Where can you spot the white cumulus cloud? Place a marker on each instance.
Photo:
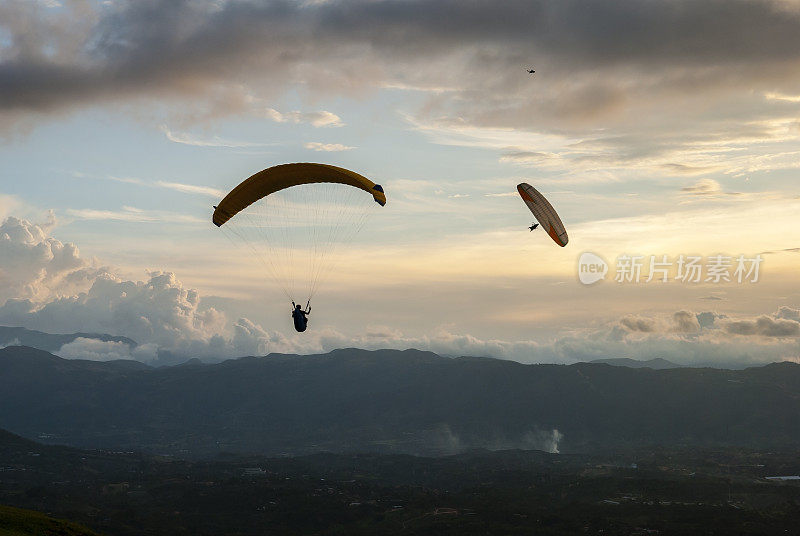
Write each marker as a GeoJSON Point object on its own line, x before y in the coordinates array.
{"type": "Point", "coordinates": [34, 265]}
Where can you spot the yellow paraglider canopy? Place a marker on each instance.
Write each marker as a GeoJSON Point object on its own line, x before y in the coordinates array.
{"type": "Point", "coordinates": [277, 178]}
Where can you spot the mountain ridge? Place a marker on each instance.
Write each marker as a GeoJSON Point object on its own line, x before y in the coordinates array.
{"type": "Point", "coordinates": [390, 401]}
{"type": "Point", "coordinates": [656, 363]}
{"type": "Point", "coordinates": [52, 342]}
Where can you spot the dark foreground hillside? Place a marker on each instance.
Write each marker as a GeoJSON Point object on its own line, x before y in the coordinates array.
{"type": "Point", "coordinates": [664, 491]}
{"type": "Point", "coordinates": [18, 522]}
{"type": "Point", "coordinates": [391, 401]}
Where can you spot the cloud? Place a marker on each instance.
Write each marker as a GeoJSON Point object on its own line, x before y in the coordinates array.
{"type": "Point", "coordinates": [327, 147]}
{"type": "Point", "coordinates": [9, 204]}
{"type": "Point", "coordinates": [624, 151]}
{"type": "Point", "coordinates": [167, 319]}
{"type": "Point", "coordinates": [192, 189]}
{"type": "Point", "coordinates": [618, 55]}
{"type": "Point", "coordinates": [684, 169]}
{"type": "Point", "coordinates": [34, 265]}
{"type": "Point", "coordinates": [785, 322]}
{"type": "Point", "coordinates": [782, 97]}
{"type": "Point", "coordinates": [685, 337]}
{"type": "Point", "coordinates": [680, 322]}
{"type": "Point", "coordinates": [678, 88]}
{"type": "Point", "coordinates": [633, 323]}
{"type": "Point", "coordinates": [382, 332]}
{"type": "Point", "coordinates": [170, 185]}
{"type": "Point", "coordinates": [788, 313]}
{"type": "Point", "coordinates": [686, 322]}
{"type": "Point", "coordinates": [704, 187]}
{"type": "Point", "coordinates": [126, 214]}
{"type": "Point", "coordinates": [48, 286]}
{"type": "Point", "coordinates": [159, 310]}
{"type": "Point", "coordinates": [317, 119]}
{"type": "Point", "coordinates": [123, 180]}
{"type": "Point", "coordinates": [765, 326]}
{"type": "Point", "coordinates": [132, 214]}
{"type": "Point", "coordinates": [97, 350]}
{"type": "Point", "coordinates": [190, 139]}
{"type": "Point", "coordinates": [707, 319]}
{"type": "Point", "coordinates": [526, 157]}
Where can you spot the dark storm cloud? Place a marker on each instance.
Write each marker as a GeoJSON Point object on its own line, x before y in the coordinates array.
{"type": "Point", "coordinates": [151, 47]}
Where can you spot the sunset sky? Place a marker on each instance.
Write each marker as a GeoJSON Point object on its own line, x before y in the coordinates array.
{"type": "Point", "coordinates": [654, 128]}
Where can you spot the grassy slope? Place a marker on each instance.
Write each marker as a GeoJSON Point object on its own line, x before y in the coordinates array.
{"type": "Point", "coordinates": [18, 522]}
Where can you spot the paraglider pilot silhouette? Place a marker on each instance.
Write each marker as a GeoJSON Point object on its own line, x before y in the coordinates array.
{"type": "Point", "coordinates": [300, 317]}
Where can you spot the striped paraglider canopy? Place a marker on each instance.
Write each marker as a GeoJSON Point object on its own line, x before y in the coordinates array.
{"type": "Point", "coordinates": [544, 213]}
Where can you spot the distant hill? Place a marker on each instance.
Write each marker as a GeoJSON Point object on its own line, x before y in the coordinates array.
{"type": "Point", "coordinates": [391, 401]}
{"type": "Point", "coordinates": [9, 440]}
{"type": "Point", "coordinates": [655, 364]}
{"type": "Point", "coordinates": [50, 342]}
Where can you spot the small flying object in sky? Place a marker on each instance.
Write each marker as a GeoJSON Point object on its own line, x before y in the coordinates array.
{"type": "Point", "coordinates": [531, 71]}
{"type": "Point", "coordinates": [533, 226]}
